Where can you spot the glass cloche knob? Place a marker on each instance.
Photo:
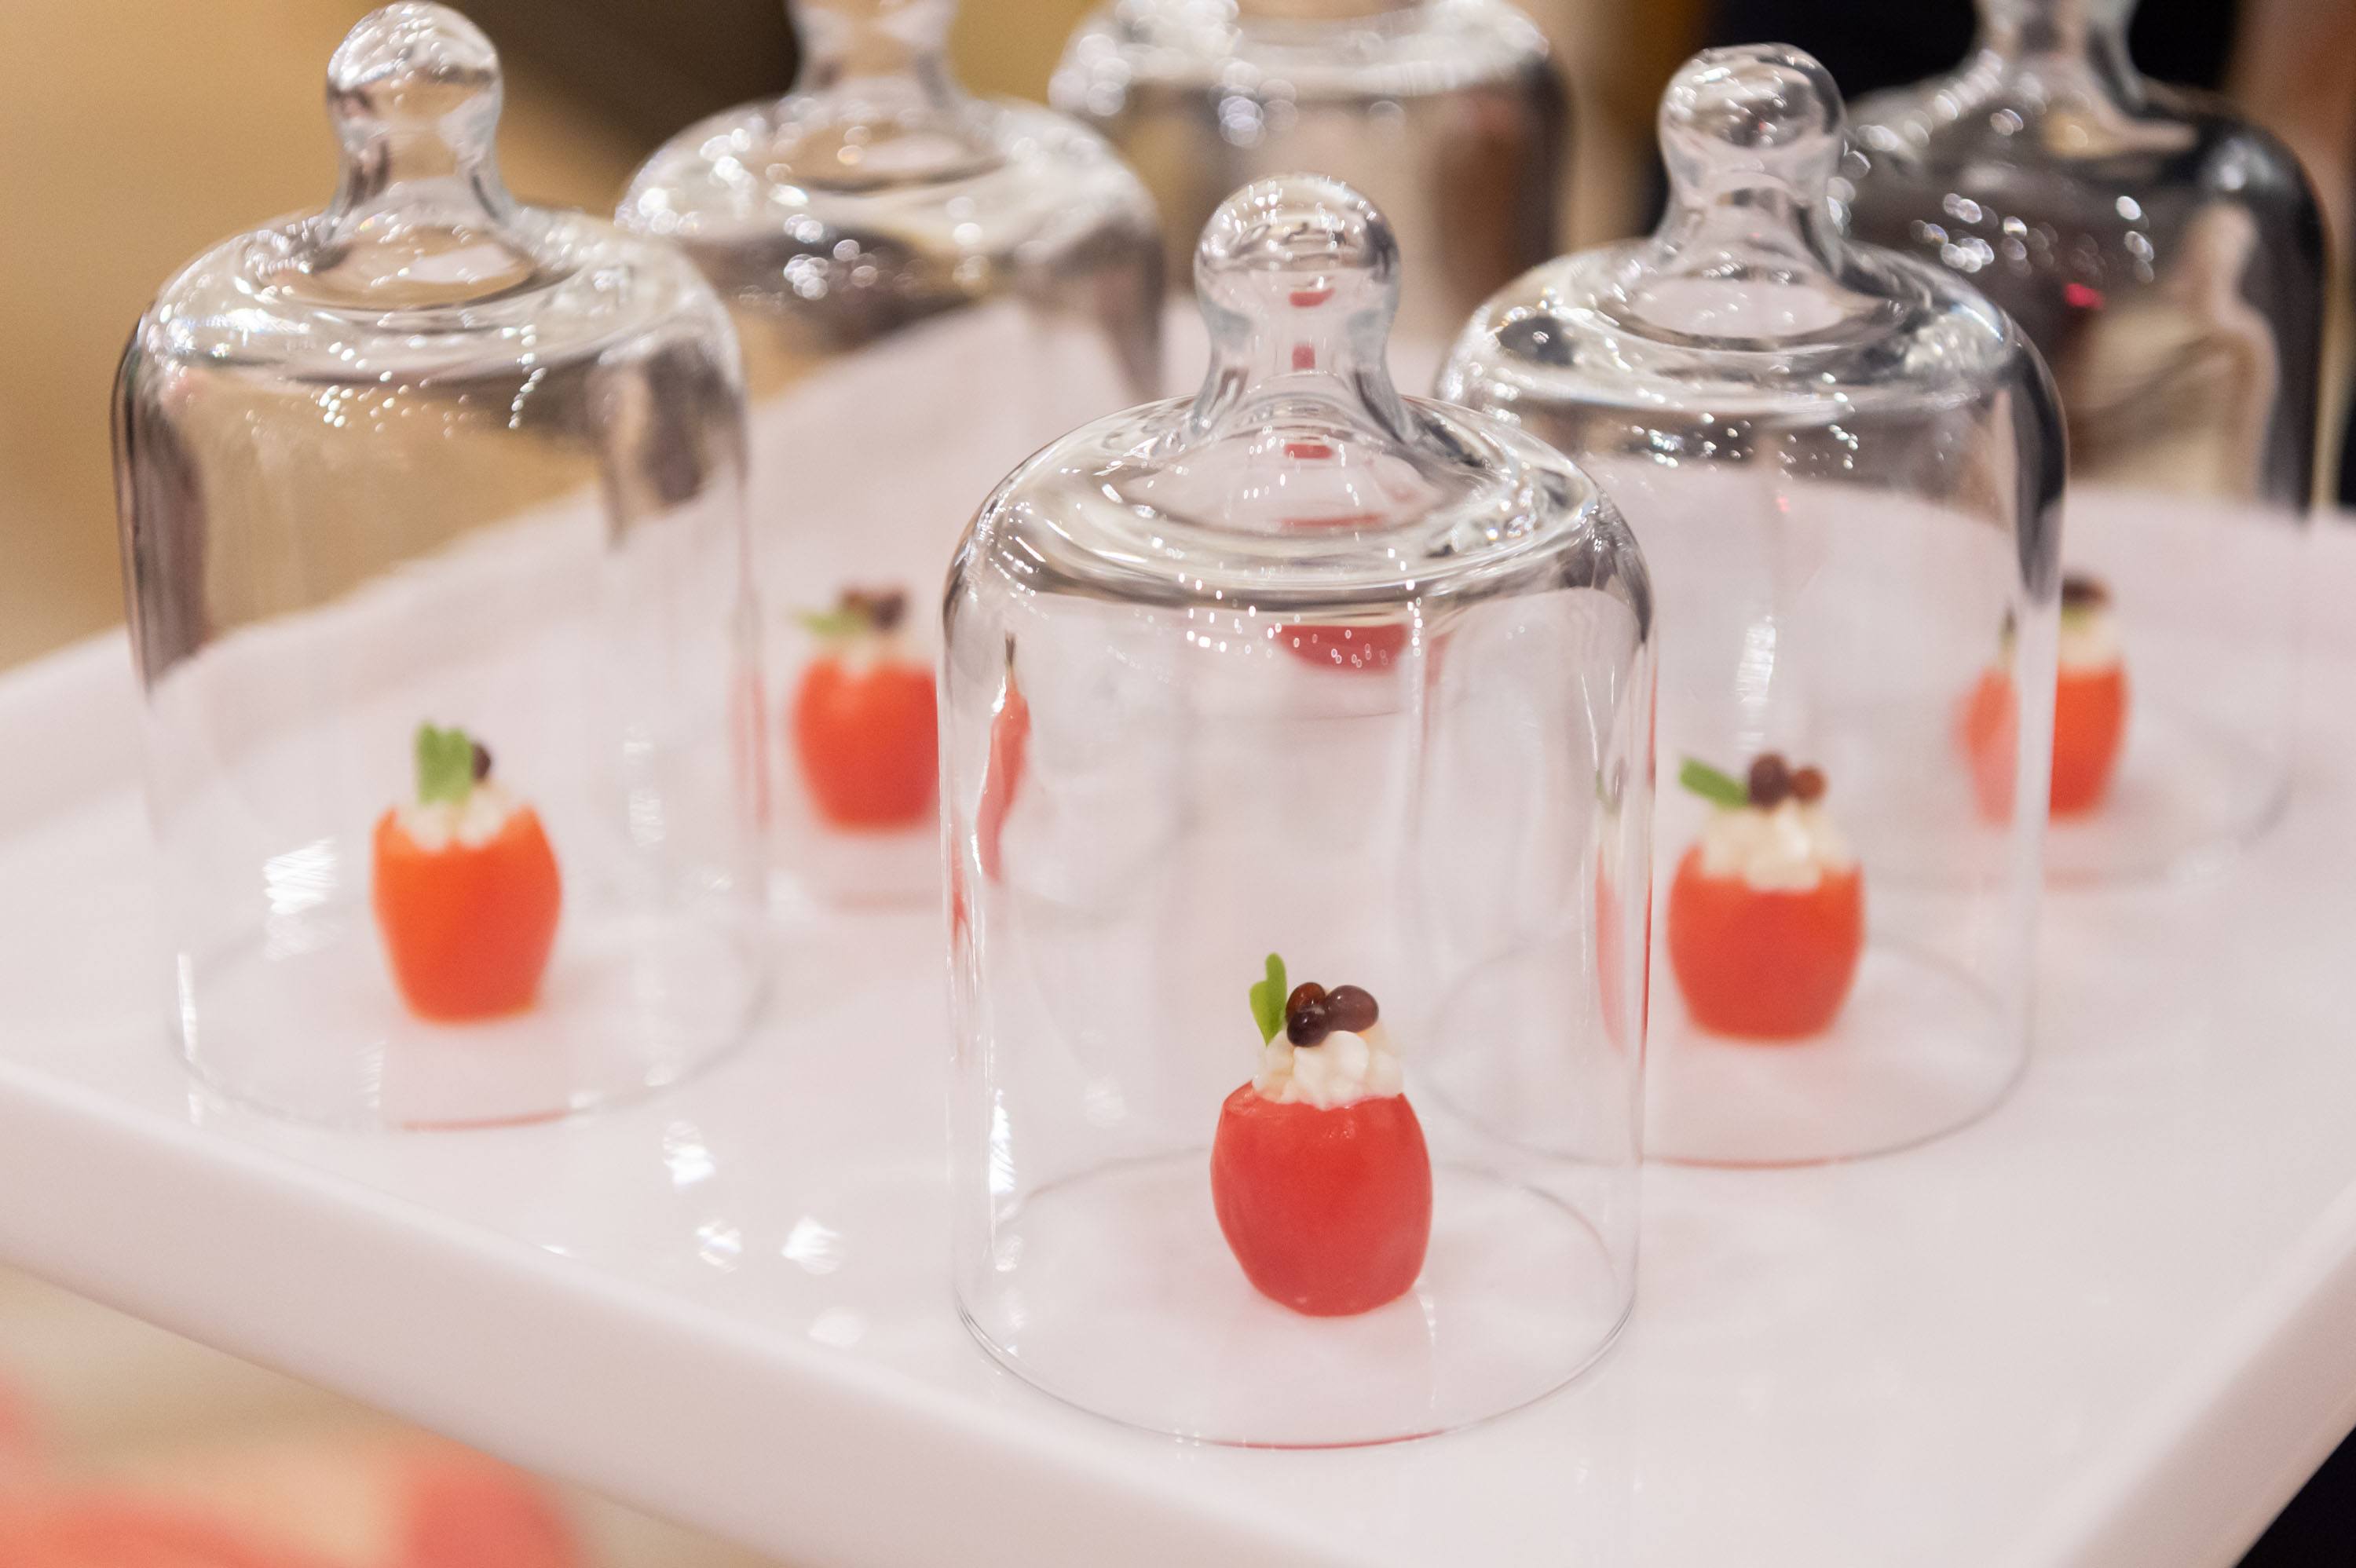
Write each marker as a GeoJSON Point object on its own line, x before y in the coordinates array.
{"type": "Point", "coordinates": [1751, 138]}
{"type": "Point", "coordinates": [421, 216]}
{"type": "Point", "coordinates": [865, 38]}
{"type": "Point", "coordinates": [1298, 276]}
{"type": "Point", "coordinates": [1737, 118]}
{"type": "Point", "coordinates": [1298, 242]}
{"type": "Point", "coordinates": [416, 79]}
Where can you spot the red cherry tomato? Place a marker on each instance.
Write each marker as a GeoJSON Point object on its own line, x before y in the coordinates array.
{"type": "Point", "coordinates": [1765, 965]}
{"type": "Point", "coordinates": [1991, 735]}
{"type": "Point", "coordinates": [1010, 740]}
{"type": "Point", "coordinates": [867, 742]}
{"type": "Point", "coordinates": [1329, 1211]}
{"type": "Point", "coordinates": [2090, 721]}
{"type": "Point", "coordinates": [468, 928]}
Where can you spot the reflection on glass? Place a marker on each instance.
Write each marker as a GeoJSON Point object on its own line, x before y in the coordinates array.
{"type": "Point", "coordinates": [1448, 113]}
{"type": "Point", "coordinates": [2167, 259]}
{"type": "Point", "coordinates": [928, 287]}
{"type": "Point", "coordinates": [1844, 466]}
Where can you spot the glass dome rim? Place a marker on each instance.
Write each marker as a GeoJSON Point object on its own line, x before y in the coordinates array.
{"type": "Point", "coordinates": [570, 247]}
{"type": "Point", "coordinates": [1566, 291]}
{"type": "Point", "coordinates": [1503, 39]}
{"type": "Point", "coordinates": [1078, 150]}
{"type": "Point", "coordinates": [2210, 125]}
{"type": "Point", "coordinates": [1340, 570]}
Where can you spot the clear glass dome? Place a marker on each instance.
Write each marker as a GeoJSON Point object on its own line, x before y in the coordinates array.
{"type": "Point", "coordinates": [1448, 113]}
{"type": "Point", "coordinates": [928, 288]}
{"type": "Point", "coordinates": [432, 533]}
{"type": "Point", "coordinates": [1845, 467]}
{"type": "Point", "coordinates": [2167, 259]}
{"type": "Point", "coordinates": [1300, 667]}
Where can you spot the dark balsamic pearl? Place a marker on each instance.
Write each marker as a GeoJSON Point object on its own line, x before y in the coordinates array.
{"type": "Point", "coordinates": [881, 608]}
{"type": "Point", "coordinates": [1351, 1007]}
{"type": "Point", "coordinates": [1771, 780]}
{"type": "Point", "coordinates": [1304, 1014]}
{"type": "Point", "coordinates": [482, 761]}
{"type": "Point", "coordinates": [2082, 592]}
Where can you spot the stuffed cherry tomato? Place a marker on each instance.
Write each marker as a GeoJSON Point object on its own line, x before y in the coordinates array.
{"type": "Point", "coordinates": [863, 718]}
{"type": "Point", "coordinates": [1767, 910]}
{"type": "Point", "coordinates": [2090, 712]}
{"type": "Point", "coordinates": [466, 891]}
{"type": "Point", "coordinates": [1319, 1172]}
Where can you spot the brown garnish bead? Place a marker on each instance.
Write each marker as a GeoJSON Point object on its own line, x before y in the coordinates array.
{"type": "Point", "coordinates": [1771, 780]}
{"type": "Point", "coordinates": [1809, 786]}
{"type": "Point", "coordinates": [2081, 591]}
{"type": "Point", "coordinates": [1304, 1014]}
{"type": "Point", "coordinates": [1351, 1007]}
{"type": "Point", "coordinates": [880, 608]}
{"type": "Point", "coordinates": [482, 761]}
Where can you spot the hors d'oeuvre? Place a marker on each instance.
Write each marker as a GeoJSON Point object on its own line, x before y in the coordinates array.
{"type": "Point", "coordinates": [1319, 1171]}
{"type": "Point", "coordinates": [2089, 711]}
{"type": "Point", "coordinates": [1767, 912]}
{"type": "Point", "coordinates": [863, 719]}
{"type": "Point", "coordinates": [465, 887]}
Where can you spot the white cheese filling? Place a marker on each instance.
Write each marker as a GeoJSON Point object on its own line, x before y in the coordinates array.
{"type": "Point", "coordinates": [1340, 1070]}
{"type": "Point", "coordinates": [865, 653]}
{"type": "Point", "coordinates": [1788, 849]}
{"type": "Point", "coordinates": [471, 825]}
{"type": "Point", "coordinates": [2089, 641]}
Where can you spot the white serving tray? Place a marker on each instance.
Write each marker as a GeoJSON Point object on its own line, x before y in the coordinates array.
{"type": "Point", "coordinates": [2109, 1325]}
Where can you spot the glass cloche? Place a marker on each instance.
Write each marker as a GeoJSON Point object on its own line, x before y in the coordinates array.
{"type": "Point", "coordinates": [433, 528]}
{"type": "Point", "coordinates": [1296, 747]}
{"type": "Point", "coordinates": [928, 287]}
{"type": "Point", "coordinates": [1844, 466]}
{"type": "Point", "coordinates": [2167, 259]}
{"type": "Point", "coordinates": [1448, 113]}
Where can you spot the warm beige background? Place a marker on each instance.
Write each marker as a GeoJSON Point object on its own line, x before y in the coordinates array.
{"type": "Point", "coordinates": [135, 132]}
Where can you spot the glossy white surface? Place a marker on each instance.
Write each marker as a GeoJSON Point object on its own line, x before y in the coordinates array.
{"type": "Point", "coordinates": [2106, 1324]}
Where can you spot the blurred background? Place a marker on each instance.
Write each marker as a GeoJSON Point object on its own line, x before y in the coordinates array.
{"type": "Point", "coordinates": [135, 132]}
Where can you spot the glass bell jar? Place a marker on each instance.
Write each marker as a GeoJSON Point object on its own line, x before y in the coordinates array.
{"type": "Point", "coordinates": [928, 287]}
{"type": "Point", "coordinates": [2167, 260]}
{"type": "Point", "coordinates": [1845, 467]}
{"type": "Point", "coordinates": [1296, 746]}
{"type": "Point", "coordinates": [1448, 113]}
{"type": "Point", "coordinates": [433, 540]}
